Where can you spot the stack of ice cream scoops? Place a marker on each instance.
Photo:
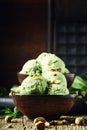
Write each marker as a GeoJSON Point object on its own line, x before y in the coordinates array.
{"type": "Point", "coordinates": [45, 76]}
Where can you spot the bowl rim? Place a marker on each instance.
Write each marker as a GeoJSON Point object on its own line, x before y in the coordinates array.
{"type": "Point", "coordinates": [20, 73]}
{"type": "Point", "coordinates": [73, 95]}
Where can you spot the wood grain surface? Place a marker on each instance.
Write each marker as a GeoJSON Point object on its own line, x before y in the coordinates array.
{"type": "Point", "coordinates": [24, 123]}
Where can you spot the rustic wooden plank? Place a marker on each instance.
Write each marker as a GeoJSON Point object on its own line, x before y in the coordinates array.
{"type": "Point", "coordinates": [28, 124]}
{"type": "Point", "coordinates": [11, 126]}
{"type": "Point", "coordinates": [70, 127]}
{"type": "Point", "coordinates": [25, 123]}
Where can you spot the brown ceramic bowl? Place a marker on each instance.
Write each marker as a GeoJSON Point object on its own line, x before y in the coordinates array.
{"type": "Point", "coordinates": [21, 77]}
{"type": "Point", "coordinates": [69, 76]}
{"type": "Point", "coordinates": [48, 106]}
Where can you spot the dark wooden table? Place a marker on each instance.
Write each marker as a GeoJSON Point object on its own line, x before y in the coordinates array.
{"type": "Point", "coordinates": [24, 123]}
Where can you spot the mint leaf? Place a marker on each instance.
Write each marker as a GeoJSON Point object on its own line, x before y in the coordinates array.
{"type": "Point", "coordinates": [79, 84]}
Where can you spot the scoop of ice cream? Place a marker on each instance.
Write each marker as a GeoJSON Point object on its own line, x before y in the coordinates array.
{"type": "Point", "coordinates": [51, 62]}
{"type": "Point", "coordinates": [54, 77]}
{"type": "Point", "coordinates": [34, 84]}
{"type": "Point", "coordinates": [31, 67]}
{"type": "Point", "coordinates": [57, 89]}
{"type": "Point", "coordinates": [57, 83]}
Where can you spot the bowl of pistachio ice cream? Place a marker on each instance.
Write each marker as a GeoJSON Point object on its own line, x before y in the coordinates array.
{"type": "Point", "coordinates": [43, 88]}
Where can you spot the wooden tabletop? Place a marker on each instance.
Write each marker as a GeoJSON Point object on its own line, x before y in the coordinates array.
{"type": "Point", "coordinates": [24, 123]}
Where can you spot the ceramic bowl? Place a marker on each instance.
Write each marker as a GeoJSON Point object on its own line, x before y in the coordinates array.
{"type": "Point", "coordinates": [48, 106]}
{"type": "Point", "coordinates": [70, 78]}
{"type": "Point", "coordinates": [21, 77]}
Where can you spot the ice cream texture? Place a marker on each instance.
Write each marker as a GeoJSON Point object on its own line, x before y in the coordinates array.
{"type": "Point", "coordinates": [45, 76]}
{"type": "Point", "coordinates": [31, 67]}
{"type": "Point", "coordinates": [57, 83]}
{"type": "Point", "coordinates": [33, 85]}
{"type": "Point", "coordinates": [51, 62]}
{"type": "Point", "coordinates": [54, 77]}
{"type": "Point", "coordinates": [55, 89]}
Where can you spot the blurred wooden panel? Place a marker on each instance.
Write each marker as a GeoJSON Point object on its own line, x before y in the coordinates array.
{"type": "Point", "coordinates": [24, 35]}
{"type": "Point", "coordinates": [71, 10]}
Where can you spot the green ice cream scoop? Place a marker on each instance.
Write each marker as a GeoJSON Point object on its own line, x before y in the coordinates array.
{"type": "Point", "coordinates": [32, 67]}
{"type": "Point", "coordinates": [57, 83]}
{"type": "Point", "coordinates": [51, 62]}
{"type": "Point", "coordinates": [33, 85]}
{"type": "Point", "coordinates": [55, 77]}
{"type": "Point", "coordinates": [57, 89]}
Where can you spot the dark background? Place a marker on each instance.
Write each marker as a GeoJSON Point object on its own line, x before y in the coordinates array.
{"type": "Point", "coordinates": [71, 34]}
{"type": "Point", "coordinates": [23, 35]}
{"type": "Point", "coordinates": [26, 30]}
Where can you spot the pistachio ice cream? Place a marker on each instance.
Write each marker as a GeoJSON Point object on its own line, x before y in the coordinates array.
{"type": "Point", "coordinates": [57, 83]}
{"type": "Point", "coordinates": [57, 89]}
{"type": "Point", "coordinates": [51, 62]}
{"type": "Point", "coordinates": [33, 85]}
{"type": "Point", "coordinates": [31, 67]}
{"type": "Point", "coordinates": [45, 76]}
